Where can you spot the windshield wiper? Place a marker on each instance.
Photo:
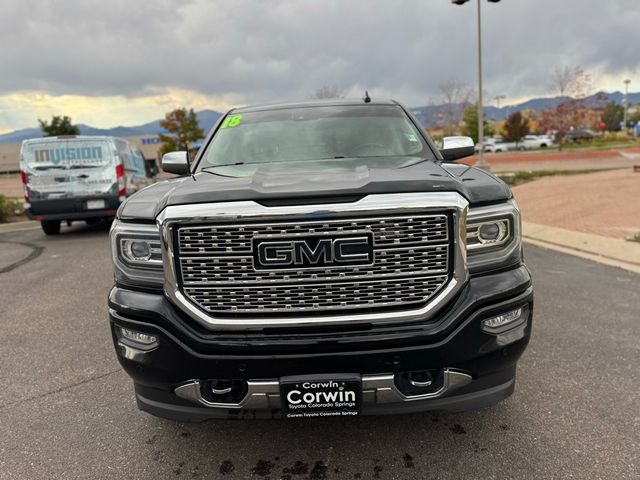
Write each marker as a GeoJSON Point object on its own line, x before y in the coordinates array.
{"type": "Point", "coordinates": [225, 165]}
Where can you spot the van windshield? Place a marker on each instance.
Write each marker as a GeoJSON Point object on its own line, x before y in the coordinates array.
{"type": "Point", "coordinates": [307, 134]}
{"type": "Point", "coordinates": [72, 153]}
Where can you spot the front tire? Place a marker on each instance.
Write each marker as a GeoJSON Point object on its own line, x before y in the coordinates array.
{"type": "Point", "coordinates": [50, 227]}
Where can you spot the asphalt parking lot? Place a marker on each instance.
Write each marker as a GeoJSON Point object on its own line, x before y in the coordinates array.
{"type": "Point", "coordinates": [67, 410]}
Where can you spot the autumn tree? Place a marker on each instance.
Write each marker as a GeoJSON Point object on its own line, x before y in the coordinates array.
{"type": "Point", "coordinates": [183, 130]}
{"type": "Point", "coordinates": [470, 119]}
{"type": "Point", "coordinates": [58, 126]}
{"type": "Point", "coordinates": [612, 116]}
{"type": "Point", "coordinates": [455, 96]}
{"type": "Point", "coordinates": [515, 127]}
{"type": "Point", "coordinates": [532, 117]}
{"type": "Point", "coordinates": [570, 81]}
{"type": "Point", "coordinates": [571, 84]}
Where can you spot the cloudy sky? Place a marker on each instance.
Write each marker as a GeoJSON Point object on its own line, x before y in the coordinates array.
{"type": "Point", "coordinates": [125, 62]}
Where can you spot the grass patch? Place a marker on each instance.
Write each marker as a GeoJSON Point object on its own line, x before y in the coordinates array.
{"type": "Point", "coordinates": [518, 178]}
{"type": "Point", "coordinates": [635, 238]}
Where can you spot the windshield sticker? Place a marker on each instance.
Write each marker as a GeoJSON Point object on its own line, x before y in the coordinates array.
{"type": "Point", "coordinates": [411, 137]}
{"type": "Point", "coordinates": [232, 121]}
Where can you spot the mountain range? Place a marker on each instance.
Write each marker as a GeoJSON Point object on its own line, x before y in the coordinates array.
{"type": "Point", "coordinates": [432, 114]}
{"type": "Point", "coordinates": [428, 115]}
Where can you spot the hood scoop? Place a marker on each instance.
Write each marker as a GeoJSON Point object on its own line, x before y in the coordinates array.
{"type": "Point", "coordinates": [275, 179]}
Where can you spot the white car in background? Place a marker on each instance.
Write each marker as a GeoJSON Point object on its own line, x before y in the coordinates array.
{"type": "Point", "coordinates": [499, 145]}
{"type": "Point", "coordinates": [530, 142]}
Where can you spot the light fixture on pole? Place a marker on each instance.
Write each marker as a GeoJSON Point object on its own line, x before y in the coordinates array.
{"type": "Point", "coordinates": [626, 103]}
{"type": "Point", "coordinates": [481, 161]}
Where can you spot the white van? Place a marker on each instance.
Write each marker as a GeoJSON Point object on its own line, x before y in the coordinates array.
{"type": "Point", "coordinates": [71, 177]}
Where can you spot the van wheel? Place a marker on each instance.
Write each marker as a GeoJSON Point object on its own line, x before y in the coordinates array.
{"type": "Point", "coordinates": [51, 227]}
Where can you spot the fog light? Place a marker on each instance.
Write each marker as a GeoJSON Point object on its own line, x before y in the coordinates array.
{"type": "Point", "coordinates": [502, 322]}
{"type": "Point", "coordinates": [138, 337]}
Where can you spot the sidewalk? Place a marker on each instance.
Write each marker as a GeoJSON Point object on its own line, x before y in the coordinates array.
{"type": "Point", "coordinates": [601, 203]}
{"type": "Point", "coordinates": [588, 215]}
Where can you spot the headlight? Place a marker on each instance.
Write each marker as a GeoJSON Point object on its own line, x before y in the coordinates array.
{"type": "Point", "coordinates": [493, 234]}
{"type": "Point", "coordinates": [137, 254]}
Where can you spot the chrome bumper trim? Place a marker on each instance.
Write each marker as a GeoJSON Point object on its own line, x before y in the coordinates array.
{"type": "Point", "coordinates": [376, 389]}
{"type": "Point", "coordinates": [261, 394]}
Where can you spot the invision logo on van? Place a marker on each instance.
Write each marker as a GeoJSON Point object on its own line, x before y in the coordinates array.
{"type": "Point", "coordinates": [68, 156]}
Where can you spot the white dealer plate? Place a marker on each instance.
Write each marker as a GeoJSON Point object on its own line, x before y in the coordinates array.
{"type": "Point", "coordinates": [321, 396]}
{"type": "Point", "coordinates": [96, 204]}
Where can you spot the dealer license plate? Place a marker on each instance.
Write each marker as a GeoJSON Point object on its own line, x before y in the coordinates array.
{"type": "Point", "coordinates": [337, 395]}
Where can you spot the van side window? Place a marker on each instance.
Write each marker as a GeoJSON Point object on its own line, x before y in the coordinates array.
{"type": "Point", "coordinates": [138, 161]}
{"type": "Point", "coordinates": [125, 154]}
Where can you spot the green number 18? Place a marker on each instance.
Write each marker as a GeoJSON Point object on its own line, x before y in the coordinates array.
{"type": "Point", "coordinates": [232, 121]}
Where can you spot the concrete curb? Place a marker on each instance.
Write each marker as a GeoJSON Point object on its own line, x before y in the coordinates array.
{"type": "Point", "coordinates": [609, 251]}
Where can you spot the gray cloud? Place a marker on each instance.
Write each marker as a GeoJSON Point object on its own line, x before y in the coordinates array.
{"type": "Point", "coordinates": [271, 50]}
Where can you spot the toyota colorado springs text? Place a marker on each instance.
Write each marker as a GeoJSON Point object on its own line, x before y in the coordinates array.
{"type": "Point", "coordinates": [320, 259]}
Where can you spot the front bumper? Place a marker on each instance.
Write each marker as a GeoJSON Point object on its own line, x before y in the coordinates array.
{"type": "Point", "coordinates": [481, 366]}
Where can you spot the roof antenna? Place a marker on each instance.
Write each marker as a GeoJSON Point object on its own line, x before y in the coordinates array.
{"type": "Point", "coordinates": [366, 98]}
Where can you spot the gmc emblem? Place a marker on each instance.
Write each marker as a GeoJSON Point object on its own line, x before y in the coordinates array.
{"type": "Point", "coordinates": [313, 251]}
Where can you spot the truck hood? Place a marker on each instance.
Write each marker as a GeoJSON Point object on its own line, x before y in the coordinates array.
{"type": "Point", "coordinates": [300, 182]}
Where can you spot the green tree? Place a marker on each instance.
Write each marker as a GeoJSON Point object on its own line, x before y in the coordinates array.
{"type": "Point", "coordinates": [183, 129]}
{"type": "Point", "coordinates": [612, 116]}
{"type": "Point", "coordinates": [58, 126]}
{"type": "Point", "coordinates": [516, 127]}
{"type": "Point", "coordinates": [470, 119]}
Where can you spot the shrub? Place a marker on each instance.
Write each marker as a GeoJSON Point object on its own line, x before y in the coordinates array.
{"type": "Point", "coordinates": [9, 207]}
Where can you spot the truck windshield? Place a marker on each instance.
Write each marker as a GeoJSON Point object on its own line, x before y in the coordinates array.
{"type": "Point", "coordinates": [66, 153]}
{"type": "Point", "coordinates": [315, 133]}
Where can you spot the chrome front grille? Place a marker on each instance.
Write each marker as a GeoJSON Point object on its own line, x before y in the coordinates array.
{"type": "Point", "coordinates": [411, 263]}
{"type": "Point", "coordinates": [387, 264]}
{"type": "Point", "coordinates": [314, 296]}
{"type": "Point", "coordinates": [412, 230]}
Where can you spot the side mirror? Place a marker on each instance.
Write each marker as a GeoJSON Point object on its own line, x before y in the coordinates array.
{"type": "Point", "coordinates": [175, 162]}
{"type": "Point", "coordinates": [454, 148]}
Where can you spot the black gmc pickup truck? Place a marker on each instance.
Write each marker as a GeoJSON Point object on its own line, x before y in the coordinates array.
{"type": "Point", "coordinates": [320, 259]}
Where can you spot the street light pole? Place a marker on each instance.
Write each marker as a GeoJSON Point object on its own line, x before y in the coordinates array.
{"type": "Point", "coordinates": [626, 103]}
{"type": "Point", "coordinates": [481, 161]}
